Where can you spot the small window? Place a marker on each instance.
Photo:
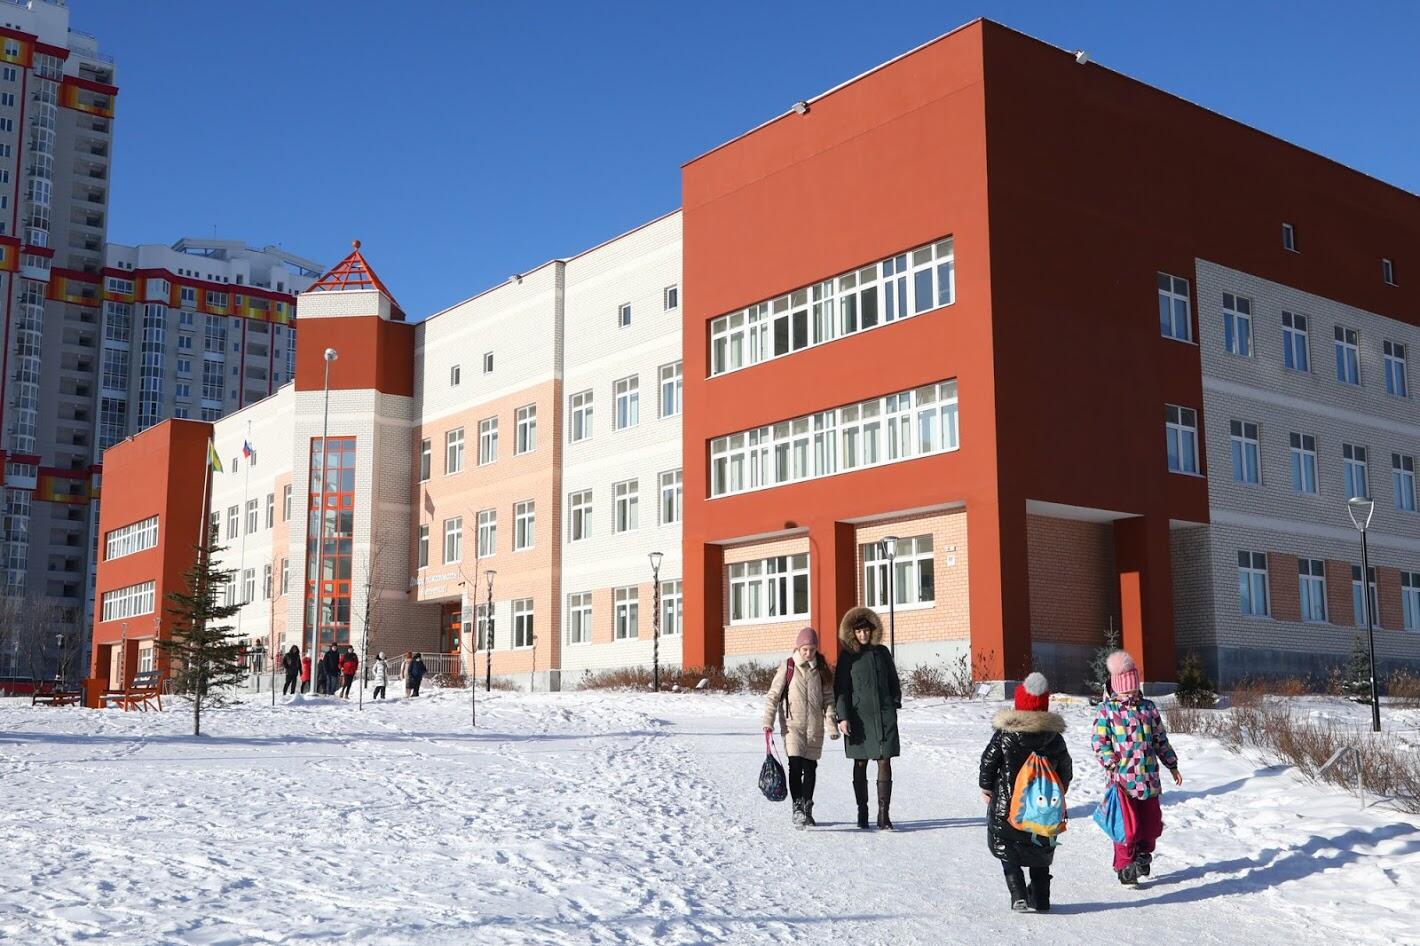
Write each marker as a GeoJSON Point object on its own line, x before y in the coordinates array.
{"type": "Point", "coordinates": [1246, 452]}
{"type": "Point", "coordinates": [1174, 320]}
{"type": "Point", "coordinates": [426, 456]}
{"type": "Point", "coordinates": [455, 374]}
{"type": "Point", "coordinates": [524, 520]}
{"type": "Point", "coordinates": [1396, 382]}
{"type": "Point", "coordinates": [1388, 272]}
{"type": "Point", "coordinates": [1289, 237]}
{"type": "Point", "coordinates": [580, 405]}
{"type": "Point", "coordinates": [1237, 324]}
{"type": "Point", "coordinates": [1181, 435]}
{"type": "Point", "coordinates": [623, 315]}
{"type": "Point", "coordinates": [672, 297]}
{"type": "Point", "coordinates": [487, 362]}
{"type": "Point", "coordinates": [1252, 584]}
{"type": "Point", "coordinates": [526, 432]}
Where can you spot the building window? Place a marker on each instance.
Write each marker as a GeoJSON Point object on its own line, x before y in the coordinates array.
{"type": "Point", "coordinates": [889, 429]}
{"type": "Point", "coordinates": [266, 582]}
{"type": "Point", "coordinates": [1395, 380]}
{"type": "Point", "coordinates": [1174, 319]}
{"type": "Point", "coordinates": [1181, 434]}
{"type": "Point", "coordinates": [672, 384]}
{"type": "Point", "coordinates": [1311, 573]}
{"type": "Point", "coordinates": [1246, 461]}
{"type": "Point", "coordinates": [424, 546]}
{"type": "Point", "coordinates": [487, 441]}
{"type": "Point", "coordinates": [1357, 481]}
{"type": "Point", "coordinates": [913, 573]}
{"type": "Point", "coordinates": [1289, 238]}
{"type": "Point", "coordinates": [426, 458]}
{"type": "Point", "coordinates": [1388, 272]}
{"type": "Point", "coordinates": [253, 515]}
{"type": "Point", "coordinates": [627, 608]}
{"type": "Point", "coordinates": [487, 533]}
{"type": "Point", "coordinates": [488, 362]}
{"type": "Point", "coordinates": [523, 622]}
{"type": "Point", "coordinates": [1303, 449]}
{"type": "Point", "coordinates": [285, 575]}
{"type": "Point", "coordinates": [11, 74]}
{"type": "Point", "coordinates": [1410, 599]}
{"type": "Point", "coordinates": [769, 589]}
{"type": "Point", "coordinates": [1348, 356]}
{"type": "Point", "coordinates": [1237, 324]}
{"type": "Point", "coordinates": [248, 585]}
{"type": "Point", "coordinates": [672, 497]}
{"type": "Point", "coordinates": [286, 503]}
{"type": "Point", "coordinates": [480, 614]}
{"type": "Point", "coordinates": [905, 284]}
{"type": "Point", "coordinates": [1296, 353]}
{"type": "Point", "coordinates": [1402, 477]}
{"type": "Point", "coordinates": [455, 375]}
{"type": "Point", "coordinates": [579, 515]}
{"type": "Point", "coordinates": [579, 618]}
{"type": "Point", "coordinates": [625, 501]}
{"type": "Point", "coordinates": [234, 521]}
{"type": "Point", "coordinates": [453, 539]}
{"type": "Point", "coordinates": [453, 451]}
{"type": "Point", "coordinates": [1252, 583]}
{"type": "Point", "coordinates": [1357, 604]}
{"type": "Point", "coordinates": [327, 601]}
{"type": "Point", "coordinates": [623, 315]}
{"type": "Point", "coordinates": [525, 433]}
{"type": "Point", "coordinates": [627, 410]}
{"type": "Point", "coordinates": [524, 516]}
{"type": "Point", "coordinates": [129, 539]}
{"type": "Point", "coordinates": [580, 407]}
{"type": "Point", "coordinates": [670, 297]}
{"type": "Point", "coordinates": [129, 602]}
{"type": "Point", "coordinates": [672, 609]}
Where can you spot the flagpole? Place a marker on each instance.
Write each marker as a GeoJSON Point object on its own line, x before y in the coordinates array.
{"type": "Point", "coordinates": [246, 528]}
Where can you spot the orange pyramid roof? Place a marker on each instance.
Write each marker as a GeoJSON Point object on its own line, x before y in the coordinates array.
{"type": "Point", "coordinates": [351, 273]}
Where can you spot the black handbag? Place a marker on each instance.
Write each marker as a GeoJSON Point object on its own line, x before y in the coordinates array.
{"type": "Point", "coordinates": [771, 774]}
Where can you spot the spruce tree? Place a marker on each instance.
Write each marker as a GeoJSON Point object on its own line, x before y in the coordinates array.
{"type": "Point", "coordinates": [1356, 673]}
{"type": "Point", "coordinates": [201, 649]}
{"type": "Point", "coordinates": [1194, 687]}
{"type": "Point", "coordinates": [1099, 673]}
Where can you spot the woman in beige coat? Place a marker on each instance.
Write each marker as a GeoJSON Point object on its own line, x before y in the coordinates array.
{"type": "Point", "coordinates": [802, 696]}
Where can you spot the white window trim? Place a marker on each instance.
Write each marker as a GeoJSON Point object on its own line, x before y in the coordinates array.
{"type": "Point", "coordinates": [579, 606]}
{"type": "Point", "coordinates": [764, 578]}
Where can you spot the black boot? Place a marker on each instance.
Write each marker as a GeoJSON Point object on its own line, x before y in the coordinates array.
{"type": "Point", "coordinates": [860, 793]}
{"type": "Point", "coordinates": [884, 802]}
{"type": "Point", "coordinates": [1144, 862]}
{"type": "Point", "coordinates": [1038, 890]}
{"type": "Point", "coordinates": [809, 821]}
{"type": "Point", "coordinates": [1016, 883]}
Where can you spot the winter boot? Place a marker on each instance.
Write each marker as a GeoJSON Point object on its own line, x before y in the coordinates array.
{"type": "Point", "coordinates": [799, 815]}
{"type": "Point", "coordinates": [1143, 862]}
{"type": "Point", "coordinates": [1038, 890]}
{"type": "Point", "coordinates": [884, 802]}
{"type": "Point", "coordinates": [1129, 875]}
{"type": "Point", "coordinates": [860, 794]}
{"type": "Point", "coordinates": [809, 821]}
{"type": "Point", "coordinates": [1016, 884]}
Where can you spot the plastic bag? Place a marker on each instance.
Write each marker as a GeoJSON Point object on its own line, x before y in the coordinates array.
{"type": "Point", "coordinates": [771, 774]}
{"type": "Point", "coordinates": [1110, 814]}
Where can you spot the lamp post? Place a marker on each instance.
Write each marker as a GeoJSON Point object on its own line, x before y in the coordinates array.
{"type": "Point", "coordinates": [890, 550]}
{"type": "Point", "coordinates": [488, 659]}
{"type": "Point", "coordinates": [123, 656]}
{"type": "Point", "coordinates": [330, 355]}
{"type": "Point", "coordinates": [1361, 509]}
{"type": "Point", "coordinates": [655, 558]}
{"type": "Point", "coordinates": [59, 657]}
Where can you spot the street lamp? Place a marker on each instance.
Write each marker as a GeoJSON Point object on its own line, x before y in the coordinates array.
{"type": "Point", "coordinates": [330, 355]}
{"type": "Point", "coordinates": [59, 657]}
{"type": "Point", "coordinates": [890, 550]}
{"type": "Point", "coordinates": [488, 658]}
{"type": "Point", "coordinates": [655, 558]}
{"type": "Point", "coordinates": [1361, 509]}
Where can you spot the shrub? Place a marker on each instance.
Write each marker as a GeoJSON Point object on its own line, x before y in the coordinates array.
{"type": "Point", "coordinates": [1352, 679]}
{"type": "Point", "coordinates": [951, 680]}
{"type": "Point", "coordinates": [1098, 679]}
{"type": "Point", "coordinates": [1403, 688]}
{"type": "Point", "coordinates": [1194, 687]}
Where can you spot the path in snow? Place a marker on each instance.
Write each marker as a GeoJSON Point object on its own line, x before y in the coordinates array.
{"type": "Point", "coordinates": [616, 818]}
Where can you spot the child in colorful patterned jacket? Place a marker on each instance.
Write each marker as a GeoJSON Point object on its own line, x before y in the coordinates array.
{"type": "Point", "coordinates": [1130, 741]}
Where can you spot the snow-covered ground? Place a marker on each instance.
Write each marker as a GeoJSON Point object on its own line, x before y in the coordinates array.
{"type": "Point", "coordinates": [618, 818]}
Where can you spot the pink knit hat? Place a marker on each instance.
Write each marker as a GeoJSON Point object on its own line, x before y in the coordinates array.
{"type": "Point", "coordinates": [1123, 675]}
{"type": "Point", "coordinates": [807, 636]}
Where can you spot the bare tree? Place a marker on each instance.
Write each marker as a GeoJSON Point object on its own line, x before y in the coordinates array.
{"type": "Point", "coordinates": [374, 611]}
{"type": "Point", "coordinates": [44, 638]}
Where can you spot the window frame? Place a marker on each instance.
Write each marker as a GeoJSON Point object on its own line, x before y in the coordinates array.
{"type": "Point", "coordinates": [579, 618]}
{"type": "Point", "coordinates": [1237, 325]}
{"type": "Point", "coordinates": [907, 572]}
{"type": "Point", "coordinates": [626, 403]}
{"type": "Point", "coordinates": [1296, 342]}
{"type": "Point", "coordinates": [524, 636]}
{"type": "Point", "coordinates": [524, 525]}
{"type": "Point", "coordinates": [453, 451]}
{"type": "Point", "coordinates": [1348, 355]}
{"type": "Point", "coordinates": [1252, 579]}
{"type": "Point", "coordinates": [1245, 443]}
{"type": "Point", "coordinates": [1311, 590]}
{"type": "Point", "coordinates": [626, 613]}
{"type": "Point", "coordinates": [1184, 431]}
{"type": "Point", "coordinates": [1402, 481]}
{"type": "Point", "coordinates": [1302, 459]}
{"type": "Point", "coordinates": [579, 411]}
{"type": "Point", "coordinates": [670, 493]}
{"type": "Point", "coordinates": [1396, 368]}
{"type": "Point", "coordinates": [1356, 466]}
{"type": "Point", "coordinates": [453, 540]}
{"type": "Point", "coordinates": [672, 376]}
{"type": "Point", "coordinates": [579, 515]}
{"type": "Point", "coordinates": [525, 429]}
{"type": "Point", "coordinates": [487, 533]}
{"type": "Point", "coordinates": [488, 441]}
{"type": "Point", "coordinates": [625, 506]}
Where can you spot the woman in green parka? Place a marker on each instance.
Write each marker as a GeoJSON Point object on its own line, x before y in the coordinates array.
{"type": "Point", "coordinates": [867, 696]}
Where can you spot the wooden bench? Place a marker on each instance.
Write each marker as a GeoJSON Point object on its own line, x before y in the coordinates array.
{"type": "Point", "coordinates": [143, 692]}
{"type": "Point", "coordinates": [54, 693]}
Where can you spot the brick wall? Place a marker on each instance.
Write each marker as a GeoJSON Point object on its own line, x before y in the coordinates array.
{"type": "Point", "coordinates": [1074, 589]}
{"type": "Point", "coordinates": [949, 617]}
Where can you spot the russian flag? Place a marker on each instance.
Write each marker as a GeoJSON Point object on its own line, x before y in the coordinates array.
{"type": "Point", "coordinates": [247, 451]}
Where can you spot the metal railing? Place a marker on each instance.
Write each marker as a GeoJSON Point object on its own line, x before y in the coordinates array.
{"type": "Point", "coordinates": [1336, 757]}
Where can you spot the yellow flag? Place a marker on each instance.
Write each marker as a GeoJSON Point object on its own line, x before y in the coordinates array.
{"type": "Point", "coordinates": [214, 462]}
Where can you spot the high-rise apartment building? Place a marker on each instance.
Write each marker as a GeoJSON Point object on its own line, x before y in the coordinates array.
{"type": "Point", "coordinates": [56, 131]}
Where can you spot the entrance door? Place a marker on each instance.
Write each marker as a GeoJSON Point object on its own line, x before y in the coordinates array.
{"type": "Point", "coordinates": [115, 667]}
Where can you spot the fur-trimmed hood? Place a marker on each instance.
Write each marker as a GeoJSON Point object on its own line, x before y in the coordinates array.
{"type": "Point", "coordinates": [1013, 720]}
{"type": "Point", "coordinates": [847, 639]}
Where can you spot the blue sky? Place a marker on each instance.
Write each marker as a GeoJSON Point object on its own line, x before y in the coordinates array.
{"type": "Point", "coordinates": [465, 141]}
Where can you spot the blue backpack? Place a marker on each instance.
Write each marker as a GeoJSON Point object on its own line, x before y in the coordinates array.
{"type": "Point", "coordinates": [1038, 801]}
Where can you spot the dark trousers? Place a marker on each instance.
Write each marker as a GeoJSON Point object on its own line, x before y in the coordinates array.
{"type": "Point", "coordinates": [1039, 876]}
{"type": "Point", "coordinates": [411, 687]}
{"type": "Point", "coordinates": [379, 692]}
{"type": "Point", "coordinates": [803, 774]}
{"type": "Point", "coordinates": [290, 685]}
{"type": "Point", "coordinates": [305, 686]}
{"type": "Point", "coordinates": [345, 690]}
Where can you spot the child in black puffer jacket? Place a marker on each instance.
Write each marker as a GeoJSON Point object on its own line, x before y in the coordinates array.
{"type": "Point", "coordinates": [1029, 728]}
